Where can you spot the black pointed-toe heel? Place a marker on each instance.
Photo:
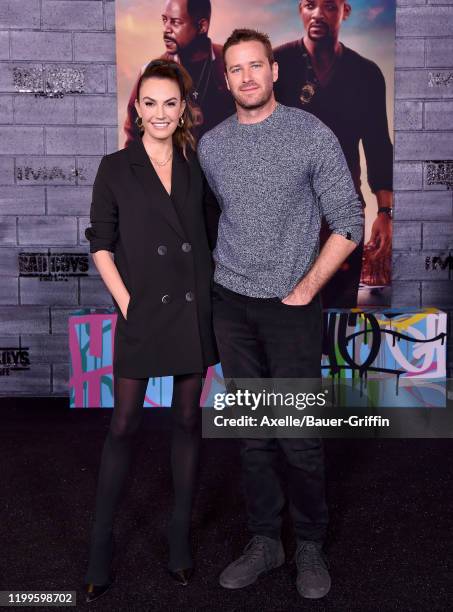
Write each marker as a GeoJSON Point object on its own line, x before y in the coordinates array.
{"type": "Point", "coordinates": [94, 591]}
{"type": "Point", "coordinates": [182, 576]}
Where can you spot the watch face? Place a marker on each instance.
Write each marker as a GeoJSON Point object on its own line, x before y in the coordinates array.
{"type": "Point", "coordinates": [307, 92]}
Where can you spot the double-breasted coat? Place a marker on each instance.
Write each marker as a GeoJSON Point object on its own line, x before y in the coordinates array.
{"type": "Point", "coordinates": [162, 254]}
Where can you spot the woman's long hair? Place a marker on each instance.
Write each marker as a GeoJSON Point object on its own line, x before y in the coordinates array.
{"type": "Point", "coordinates": [165, 69]}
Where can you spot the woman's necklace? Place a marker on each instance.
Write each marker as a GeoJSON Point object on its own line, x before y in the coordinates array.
{"type": "Point", "coordinates": [161, 163]}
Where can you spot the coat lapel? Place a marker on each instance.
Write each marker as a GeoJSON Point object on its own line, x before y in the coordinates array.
{"type": "Point", "coordinates": [152, 187]}
{"type": "Point", "coordinates": [180, 186]}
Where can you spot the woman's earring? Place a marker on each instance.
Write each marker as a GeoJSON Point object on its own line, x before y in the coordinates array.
{"type": "Point", "coordinates": [181, 121]}
{"type": "Point", "coordinates": [139, 122]}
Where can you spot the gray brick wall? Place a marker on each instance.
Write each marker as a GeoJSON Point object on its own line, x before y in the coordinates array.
{"type": "Point", "coordinates": [423, 224]}
{"type": "Point", "coordinates": [50, 148]}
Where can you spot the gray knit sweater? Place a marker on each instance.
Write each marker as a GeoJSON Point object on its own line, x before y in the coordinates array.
{"type": "Point", "coordinates": [274, 180]}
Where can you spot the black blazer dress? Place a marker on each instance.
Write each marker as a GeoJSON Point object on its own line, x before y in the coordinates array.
{"type": "Point", "coordinates": [162, 254]}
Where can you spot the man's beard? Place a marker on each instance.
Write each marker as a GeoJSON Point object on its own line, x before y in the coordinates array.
{"type": "Point", "coordinates": [254, 105]}
{"type": "Point", "coordinates": [325, 41]}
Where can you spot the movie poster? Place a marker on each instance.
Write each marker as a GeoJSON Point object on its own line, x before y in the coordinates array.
{"type": "Point", "coordinates": [356, 100]}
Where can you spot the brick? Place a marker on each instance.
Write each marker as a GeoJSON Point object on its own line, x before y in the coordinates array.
{"type": "Point", "coordinates": [45, 170]}
{"type": "Point", "coordinates": [60, 379]}
{"type": "Point", "coordinates": [438, 235]}
{"type": "Point", "coordinates": [10, 290]}
{"type": "Point", "coordinates": [22, 201]}
{"type": "Point", "coordinates": [407, 236]}
{"type": "Point", "coordinates": [4, 45]}
{"type": "Point", "coordinates": [94, 80]}
{"type": "Point", "coordinates": [111, 79]}
{"type": "Point", "coordinates": [47, 349]}
{"type": "Point", "coordinates": [7, 83]}
{"type": "Point", "coordinates": [8, 231]}
{"type": "Point", "coordinates": [97, 110]}
{"type": "Point", "coordinates": [416, 84]}
{"type": "Point", "coordinates": [408, 115]}
{"type": "Point", "coordinates": [407, 175]}
{"type": "Point", "coordinates": [405, 294]}
{"type": "Point", "coordinates": [93, 293]}
{"type": "Point", "coordinates": [40, 110]}
{"type": "Point", "coordinates": [423, 145]}
{"type": "Point", "coordinates": [409, 52]}
{"type": "Point", "coordinates": [60, 317]}
{"type": "Point", "coordinates": [84, 222]}
{"type": "Point", "coordinates": [112, 139]}
{"type": "Point", "coordinates": [437, 294]}
{"type": "Point", "coordinates": [74, 140]}
{"type": "Point", "coordinates": [48, 231]}
{"type": "Point", "coordinates": [109, 11]}
{"type": "Point", "coordinates": [412, 266]}
{"type": "Point", "coordinates": [68, 200]}
{"type": "Point", "coordinates": [439, 52]}
{"type": "Point", "coordinates": [19, 14]}
{"type": "Point", "coordinates": [420, 21]}
{"type": "Point", "coordinates": [8, 261]}
{"type": "Point", "coordinates": [6, 170]}
{"type": "Point", "coordinates": [94, 47]}
{"type": "Point", "coordinates": [430, 187]}
{"type": "Point", "coordinates": [27, 140]}
{"type": "Point", "coordinates": [6, 109]}
{"type": "Point", "coordinates": [423, 205]}
{"type": "Point", "coordinates": [35, 291]}
{"type": "Point", "coordinates": [72, 15]}
{"type": "Point", "coordinates": [24, 319]}
{"type": "Point", "coordinates": [88, 167]}
{"type": "Point", "coordinates": [439, 115]}
{"type": "Point", "coordinates": [35, 381]}
{"type": "Point", "coordinates": [45, 45]}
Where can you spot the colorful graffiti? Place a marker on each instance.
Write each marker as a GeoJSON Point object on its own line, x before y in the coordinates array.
{"type": "Point", "coordinates": [410, 344]}
{"type": "Point", "coordinates": [399, 359]}
{"type": "Point", "coordinates": [392, 348]}
{"type": "Point", "coordinates": [91, 334]}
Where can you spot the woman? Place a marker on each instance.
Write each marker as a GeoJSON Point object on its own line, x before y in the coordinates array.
{"type": "Point", "coordinates": [147, 209]}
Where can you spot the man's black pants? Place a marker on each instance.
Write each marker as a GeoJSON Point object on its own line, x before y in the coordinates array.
{"type": "Point", "coordinates": [264, 338]}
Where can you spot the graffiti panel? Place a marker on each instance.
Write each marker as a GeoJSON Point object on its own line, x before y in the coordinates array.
{"type": "Point", "coordinates": [383, 351]}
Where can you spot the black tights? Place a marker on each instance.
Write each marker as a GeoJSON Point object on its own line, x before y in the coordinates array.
{"type": "Point", "coordinates": [129, 394]}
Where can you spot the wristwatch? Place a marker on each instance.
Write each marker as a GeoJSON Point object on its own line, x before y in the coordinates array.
{"type": "Point", "coordinates": [387, 210]}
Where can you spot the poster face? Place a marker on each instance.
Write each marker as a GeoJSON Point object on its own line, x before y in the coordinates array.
{"type": "Point", "coordinates": [354, 97]}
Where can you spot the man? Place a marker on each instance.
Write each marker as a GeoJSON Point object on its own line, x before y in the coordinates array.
{"type": "Point", "coordinates": [347, 92]}
{"type": "Point", "coordinates": [274, 171]}
{"type": "Point", "coordinates": [185, 33]}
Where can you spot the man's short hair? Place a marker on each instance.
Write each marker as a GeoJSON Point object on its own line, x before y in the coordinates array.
{"type": "Point", "coordinates": [247, 35]}
{"type": "Point", "coordinates": [199, 9]}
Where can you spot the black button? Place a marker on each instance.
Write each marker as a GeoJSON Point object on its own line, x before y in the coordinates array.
{"type": "Point", "coordinates": [186, 247]}
{"type": "Point", "coordinates": [190, 296]}
{"type": "Point", "coordinates": [162, 250]}
{"type": "Point", "coordinates": [165, 299]}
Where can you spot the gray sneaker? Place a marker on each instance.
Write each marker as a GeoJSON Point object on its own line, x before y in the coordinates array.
{"type": "Point", "coordinates": [313, 579]}
{"type": "Point", "coordinates": [260, 555]}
